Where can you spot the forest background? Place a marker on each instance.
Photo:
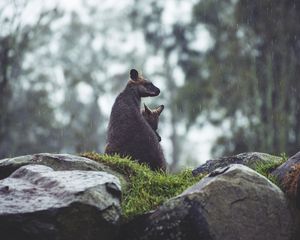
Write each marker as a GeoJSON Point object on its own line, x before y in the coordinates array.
{"type": "Point", "coordinates": [228, 73]}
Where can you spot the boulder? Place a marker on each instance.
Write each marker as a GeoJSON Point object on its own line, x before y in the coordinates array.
{"type": "Point", "coordinates": [231, 203]}
{"type": "Point", "coordinates": [288, 177]}
{"type": "Point", "coordinates": [39, 203]}
{"type": "Point", "coordinates": [55, 161]}
{"type": "Point", "coordinates": [287, 167]}
{"type": "Point", "coordinates": [249, 159]}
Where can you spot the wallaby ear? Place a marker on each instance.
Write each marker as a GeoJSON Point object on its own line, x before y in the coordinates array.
{"type": "Point", "coordinates": [160, 109]}
{"type": "Point", "coordinates": [147, 110]}
{"type": "Point", "coordinates": [134, 75]}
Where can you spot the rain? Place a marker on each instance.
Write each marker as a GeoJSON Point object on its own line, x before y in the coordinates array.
{"type": "Point", "coordinates": [227, 70]}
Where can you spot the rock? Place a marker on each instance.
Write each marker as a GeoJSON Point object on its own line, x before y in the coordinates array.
{"type": "Point", "coordinates": [288, 177]}
{"type": "Point", "coordinates": [39, 203]}
{"type": "Point", "coordinates": [283, 170]}
{"type": "Point", "coordinates": [237, 203]}
{"type": "Point", "coordinates": [249, 159]}
{"type": "Point", "coordinates": [55, 161]}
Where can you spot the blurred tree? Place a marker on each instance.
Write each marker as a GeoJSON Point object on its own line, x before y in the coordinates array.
{"type": "Point", "coordinates": [55, 69]}
{"type": "Point", "coordinates": [24, 108]}
{"type": "Point", "coordinates": [248, 78]}
{"type": "Point", "coordinates": [168, 41]}
{"type": "Point", "coordinates": [79, 64]}
{"type": "Point", "coordinates": [87, 57]}
{"type": "Point", "coordinates": [276, 26]}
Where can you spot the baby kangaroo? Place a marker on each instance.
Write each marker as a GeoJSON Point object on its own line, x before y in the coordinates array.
{"type": "Point", "coordinates": [128, 132]}
{"type": "Point", "coordinates": [152, 117]}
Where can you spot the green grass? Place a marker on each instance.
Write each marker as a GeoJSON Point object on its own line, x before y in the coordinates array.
{"type": "Point", "coordinates": [147, 189]}
{"type": "Point", "coordinates": [265, 168]}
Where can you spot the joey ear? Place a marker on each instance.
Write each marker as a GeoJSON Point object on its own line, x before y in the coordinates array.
{"type": "Point", "coordinates": [147, 110]}
{"type": "Point", "coordinates": [134, 75]}
{"type": "Point", "coordinates": [160, 109]}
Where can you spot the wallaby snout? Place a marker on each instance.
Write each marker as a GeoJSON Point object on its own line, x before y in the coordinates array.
{"type": "Point", "coordinates": [153, 91]}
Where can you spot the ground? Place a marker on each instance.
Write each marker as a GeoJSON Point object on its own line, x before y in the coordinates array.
{"type": "Point", "coordinates": [147, 189]}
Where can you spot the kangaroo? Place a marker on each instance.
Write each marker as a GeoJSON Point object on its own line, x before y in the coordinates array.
{"type": "Point", "coordinates": [128, 132]}
{"type": "Point", "coordinates": [152, 117]}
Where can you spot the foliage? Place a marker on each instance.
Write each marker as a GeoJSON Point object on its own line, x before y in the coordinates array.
{"type": "Point", "coordinates": [53, 73]}
{"type": "Point", "coordinates": [244, 83]}
{"type": "Point", "coordinates": [248, 78]}
{"type": "Point", "coordinates": [147, 189]}
{"type": "Point", "coordinates": [27, 121]}
{"type": "Point", "coordinates": [265, 168]}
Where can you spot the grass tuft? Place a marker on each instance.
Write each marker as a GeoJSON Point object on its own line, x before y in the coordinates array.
{"type": "Point", "coordinates": [147, 189]}
{"type": "Point", "coordinates": [265, 168]}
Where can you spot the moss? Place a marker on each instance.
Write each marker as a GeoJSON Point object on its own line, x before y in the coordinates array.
{"type": "Point", "coordinates": [147, 189]}
{"type": "Point", "coordinates": [266, 167]}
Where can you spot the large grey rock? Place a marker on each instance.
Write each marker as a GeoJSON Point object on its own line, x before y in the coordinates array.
{"type": "Point", "coordinates": [233, 203]}
{"type": "Point", "coordinates": [39, 203]}
{"type": "Point", "coordinates": [249, 159]}
{"type": "Point", "coordinates": [55, 161]}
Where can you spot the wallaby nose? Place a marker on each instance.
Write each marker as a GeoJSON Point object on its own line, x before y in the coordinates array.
{"type": "Point", "coordinates": [157, 91]}
{"type": "Point", "coordinates": [153, 91]}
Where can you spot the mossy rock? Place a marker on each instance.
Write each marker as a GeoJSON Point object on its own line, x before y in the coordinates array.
{"type": "Point", "coordinates": [146, 189]}
{"type": "Point", "coordinates": [255, 160]}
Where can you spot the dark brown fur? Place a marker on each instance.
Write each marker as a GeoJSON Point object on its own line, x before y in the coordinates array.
{"type": "Point", "coordinates": [152, 117]}
{"type": "Point", "coordinates": [128, 132]}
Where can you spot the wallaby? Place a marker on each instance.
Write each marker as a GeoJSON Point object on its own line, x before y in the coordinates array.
{"type": "Point", "coordinates": [128, 132]}
{"type": "Point", "coordinates": [152, 117]}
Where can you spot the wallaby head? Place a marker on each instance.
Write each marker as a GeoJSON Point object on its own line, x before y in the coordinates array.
{"type": "Point", "coordinates": [152, 117]}
{"type": "Point", "coordinates": [142, 87]}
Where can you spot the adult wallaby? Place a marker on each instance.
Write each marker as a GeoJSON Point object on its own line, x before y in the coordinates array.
{"type": "Point", "coordinates": [152, 117]}
{"type": "Point", "coordinates": [128, 132]}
